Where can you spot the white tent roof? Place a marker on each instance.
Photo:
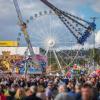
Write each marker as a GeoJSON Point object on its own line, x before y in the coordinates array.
{"type": "Point", "coordinates": [18, 50]}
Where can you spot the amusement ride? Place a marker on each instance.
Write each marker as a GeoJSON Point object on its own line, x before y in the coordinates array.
{"type": "Point", "coordinates": [60, 23]}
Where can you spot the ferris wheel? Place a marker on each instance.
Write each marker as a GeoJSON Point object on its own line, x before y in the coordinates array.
{"type": "Point", "coordinates": [53, 39]}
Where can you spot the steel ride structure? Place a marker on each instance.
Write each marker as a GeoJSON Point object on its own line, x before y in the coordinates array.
{"type": "Point", "coordinates": [74, 23]}
{"type": "Point", "coordinates": [78, 27]}
{"type": "Point", "coordinates": [23, 26]}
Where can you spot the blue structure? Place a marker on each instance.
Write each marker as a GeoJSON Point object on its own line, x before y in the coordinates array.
{"type": "Point", "coordinates": [87, 33]}
{"type": "Point", "coordinates": [74, 23]}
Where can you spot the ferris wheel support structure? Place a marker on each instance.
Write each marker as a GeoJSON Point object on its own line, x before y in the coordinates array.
{"type": "Point", "coordinates": [60, 67]}
{"type": "Point", "coordinates": [23, 26]}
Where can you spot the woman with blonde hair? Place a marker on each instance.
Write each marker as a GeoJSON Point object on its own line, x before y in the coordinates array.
{"type": "Point", "coordinates": [19, 94]}
{"type": "Point", "coordinates": [41, 92]}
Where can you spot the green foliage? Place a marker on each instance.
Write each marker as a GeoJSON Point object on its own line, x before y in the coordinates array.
{"type": "Point", "coordinates": [96, 56]}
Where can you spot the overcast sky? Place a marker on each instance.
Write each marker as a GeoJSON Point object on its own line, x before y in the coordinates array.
{"type": "Point", "coordinates": [9, 28]}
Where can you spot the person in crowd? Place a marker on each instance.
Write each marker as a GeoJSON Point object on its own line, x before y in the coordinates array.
{"type": "Point", "coordinates": [62, 94]}
{"type": "Point", "coordinates": [78, 91]}
{"type": "Point", "coordinates": [87, 92]}
{"type": "Point", "coordinates": [19, 94]}
{"type": "Point", "coordinates": [41, 92]}
{"type": "Point", "coordinates": [72, 90]}
{"type": "Point", "coordinates": [49, 91]}
{"type": "Point", "coordinates": [2, 96]}
{"type": "Point", "coordinates": [11, 95]}
{"type": "Point", "coordinates": [31, 94]}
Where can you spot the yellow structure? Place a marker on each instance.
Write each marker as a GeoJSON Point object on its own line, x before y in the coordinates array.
{"type": "Point", "coordinates": [8, 43]}
{"type": "Point", "coordinates": [7, 60]}
{"type": "Point", "coordinates": [6, 64]}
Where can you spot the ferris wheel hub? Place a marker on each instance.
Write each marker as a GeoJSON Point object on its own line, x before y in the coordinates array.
{"type": "Point", "coordinates": [51, 42]}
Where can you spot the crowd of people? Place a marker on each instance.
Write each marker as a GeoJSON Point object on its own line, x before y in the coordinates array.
{"type": "Point", "coordinates": [15, 87]}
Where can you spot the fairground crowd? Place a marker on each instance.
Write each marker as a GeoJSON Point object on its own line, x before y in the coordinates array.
{"type": "Point", "coordinates": [15, 87]}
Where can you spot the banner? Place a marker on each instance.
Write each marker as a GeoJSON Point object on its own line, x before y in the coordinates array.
{"type": "Point", "coordinates": [8, 43]}
{"type": "Point", "coordinates": [30, 70]}
{"type": "Point", "coordinates": [38, 66]}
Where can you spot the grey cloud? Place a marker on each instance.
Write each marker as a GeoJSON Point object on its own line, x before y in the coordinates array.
{"type": "Point", "coordinates": [96, 6]}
